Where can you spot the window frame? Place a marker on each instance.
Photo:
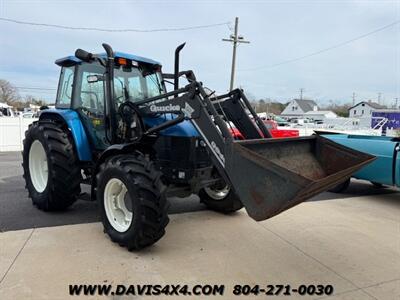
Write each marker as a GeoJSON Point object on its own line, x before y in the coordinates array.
{"type": "Point", "coordinates": [79, 70]}
{"type": "Point", "coordinates": [60, 85]}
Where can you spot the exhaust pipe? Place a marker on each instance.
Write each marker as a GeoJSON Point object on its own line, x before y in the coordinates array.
{"type": "Point", "coordinates": [110, 107]}
{"type": "Point", "coordinates": [176, 71]}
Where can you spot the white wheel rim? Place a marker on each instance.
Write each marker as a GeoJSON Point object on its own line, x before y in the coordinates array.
{"type": "Point", "coordinates": [38, 168]}
{"type": "Point", "coordinates": [116, 198]}
{"type": "Point", "coordinates": [217, 194]}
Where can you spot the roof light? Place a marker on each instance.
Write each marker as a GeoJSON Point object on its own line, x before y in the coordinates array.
{"type": "Point", "coordinates": [122, 61]}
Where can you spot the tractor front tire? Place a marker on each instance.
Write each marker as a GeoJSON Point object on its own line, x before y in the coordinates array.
{"type": "Point", "coordinates": [50, 164]}
{"type": "Point", "coordinates": [132, 201]}
{"type": "Point", "coordinates": [220, 198]}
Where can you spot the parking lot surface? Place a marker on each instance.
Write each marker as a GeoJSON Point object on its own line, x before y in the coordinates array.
{"type": "Point", "coordinates": [17, 211]}
{"type": "Point", "coordinates": [349, 241]}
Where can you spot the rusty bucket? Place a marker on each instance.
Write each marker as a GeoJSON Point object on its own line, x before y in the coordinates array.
{"type": "Point", "coordinates": [272, 175]}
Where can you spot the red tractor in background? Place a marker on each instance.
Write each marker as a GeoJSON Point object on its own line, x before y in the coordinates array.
{"type": "Point", "coordinates": [273, 129]}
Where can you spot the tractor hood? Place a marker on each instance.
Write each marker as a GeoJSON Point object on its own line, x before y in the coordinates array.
{"type": "Point", "coordinates": [182, 129]}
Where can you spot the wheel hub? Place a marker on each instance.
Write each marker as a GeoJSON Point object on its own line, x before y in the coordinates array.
{"type": "Point", "coordinates": [217, 193]}
{"type": "Point", "coordinates": [38, 167]}
{"type": "Point", "coordinates": [118, 205]}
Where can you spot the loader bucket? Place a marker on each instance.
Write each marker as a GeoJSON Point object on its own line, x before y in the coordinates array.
{"type": "Point", "coordinates": [272, 175]}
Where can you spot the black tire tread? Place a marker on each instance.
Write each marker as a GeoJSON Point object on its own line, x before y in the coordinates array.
{"type": "Point", "coordinates": [64, 171]}
{"type": "Point", "coordinates": [146, 181]}
{"type": "Point", "coordinates": [228, 205]}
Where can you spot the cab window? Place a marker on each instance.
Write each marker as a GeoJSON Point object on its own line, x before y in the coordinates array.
{"type": "Point", "coordinates": [64, 94]}
{"type": "Point", "coordinates": [89, 102]}
{"type": "Point", "coordinates": [92, 93]}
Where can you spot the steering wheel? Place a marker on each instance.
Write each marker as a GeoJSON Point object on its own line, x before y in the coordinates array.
{"type": "Point", "coordinates": [130, 114]}
{"type": "Point", "coordinates": [118, 101]}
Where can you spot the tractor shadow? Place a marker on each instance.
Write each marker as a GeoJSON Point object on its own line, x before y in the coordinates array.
{"type": "Point", "coordinates": [358, 188]}
{"type": "Point", "coordinates": [17, 211]}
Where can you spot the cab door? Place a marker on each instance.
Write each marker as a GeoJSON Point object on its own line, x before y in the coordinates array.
{"type": "Point", "coordinates": [89, 102]}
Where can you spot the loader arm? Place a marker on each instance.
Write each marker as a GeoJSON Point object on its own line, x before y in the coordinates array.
{"type": "Point", "coordinates": [235, 107]}
{"type": "Point", "coordinates": [268, 175]}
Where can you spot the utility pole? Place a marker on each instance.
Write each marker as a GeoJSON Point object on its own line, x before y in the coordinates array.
{"type": "Point", "coordinates": [354, 98]}
{"type": "Point", "coordinates": [301, 93]}
{"type": "Point", "coordinates": [379, 97]}
{"type": "Point", "coordinates": [396, 101]}
{"type": "Point", "coordinates": [235, 39]}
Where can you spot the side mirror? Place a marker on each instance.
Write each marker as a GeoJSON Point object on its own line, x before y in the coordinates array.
{"type": "Point", "coordinates": [94, 78]}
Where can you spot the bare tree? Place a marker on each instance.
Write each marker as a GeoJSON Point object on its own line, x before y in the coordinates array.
{"type": "Point", "coordinates": [268, 106]}
{"type": "Point", "coordinates": [8, 92]}
{"type": "Point", "coordinates": [29, 99]}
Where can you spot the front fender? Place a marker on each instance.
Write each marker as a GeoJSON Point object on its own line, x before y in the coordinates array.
{"type": "Point", "coordinates": [110, 151]}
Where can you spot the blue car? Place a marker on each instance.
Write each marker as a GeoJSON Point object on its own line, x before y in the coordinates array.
{"type": "Point", "coordinates": [385, 170]}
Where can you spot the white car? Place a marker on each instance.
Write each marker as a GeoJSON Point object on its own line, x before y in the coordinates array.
{"type": "Point", "coordinates": [29, 115]}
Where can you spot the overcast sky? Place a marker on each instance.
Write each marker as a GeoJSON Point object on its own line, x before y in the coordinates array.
{"type": "Point", "coordinates": [278, 31]}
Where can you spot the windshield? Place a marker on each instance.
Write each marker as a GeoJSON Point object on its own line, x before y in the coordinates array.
{"type": "Point", "coordinates": [133, 84]}
{"type": "Point", "coordinates": [136, 85]}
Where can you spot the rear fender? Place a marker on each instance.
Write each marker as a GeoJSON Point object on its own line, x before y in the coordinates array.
{"type": "Point", "coordinates": [72, 120]}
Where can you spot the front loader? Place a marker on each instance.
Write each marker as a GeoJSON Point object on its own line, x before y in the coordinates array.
{"type": "Point", "coordinates": [117, 128]}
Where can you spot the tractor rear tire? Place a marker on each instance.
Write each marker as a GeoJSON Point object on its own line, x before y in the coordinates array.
{"type": "Point", "coordinates": [220, 199]}
{"type": "Point", "coordinates": [50, 164]}
{"type": "Point", "coordinates": [341, 187]}
{"type": "Point", "coordinates": [132, 201]}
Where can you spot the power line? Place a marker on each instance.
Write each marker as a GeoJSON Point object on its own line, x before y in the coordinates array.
{"type": "Point", "coordinates": [325, 49]}
{"type": "Point", "coordinates": [35, 88]}
{"type": "Point", "coordinates": [112, 30]}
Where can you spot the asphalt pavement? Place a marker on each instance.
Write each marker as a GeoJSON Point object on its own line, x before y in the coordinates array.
{"type": "Point", "coordinates": [17, 211]}
{"type": "Point", "coordinates": [348, 241]}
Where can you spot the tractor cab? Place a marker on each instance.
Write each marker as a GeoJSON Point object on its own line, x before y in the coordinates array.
{"type": "Point", "coordinates": [82, 88]}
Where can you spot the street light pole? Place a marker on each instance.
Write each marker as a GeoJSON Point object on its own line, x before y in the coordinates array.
{"type": "Point", "coordinates": [235, 39]}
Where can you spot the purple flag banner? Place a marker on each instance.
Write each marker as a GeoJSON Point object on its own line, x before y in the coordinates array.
{"type": "Point", "coordinates": [392, 116]}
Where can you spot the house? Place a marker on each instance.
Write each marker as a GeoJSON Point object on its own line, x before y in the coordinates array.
{"type": "Point", "coordinates": [298, 107]}
{"type": "Point", "coordinates": [364, 109]}
{"type": "Point", "coordinates": [320, 115]}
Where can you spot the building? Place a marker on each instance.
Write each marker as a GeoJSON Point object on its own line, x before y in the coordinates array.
{"type": "Point", "coordinates": [364, 109]}
{"type": "Point", "coordinates": [32, 108]}
{"type": "Point", "coordinates": [298, 107]}
{"type": "Point", "coordinates": [320, 115]}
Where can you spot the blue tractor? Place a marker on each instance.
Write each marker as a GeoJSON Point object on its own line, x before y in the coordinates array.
{"type": "Point", "coordinates": [117, 128]}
